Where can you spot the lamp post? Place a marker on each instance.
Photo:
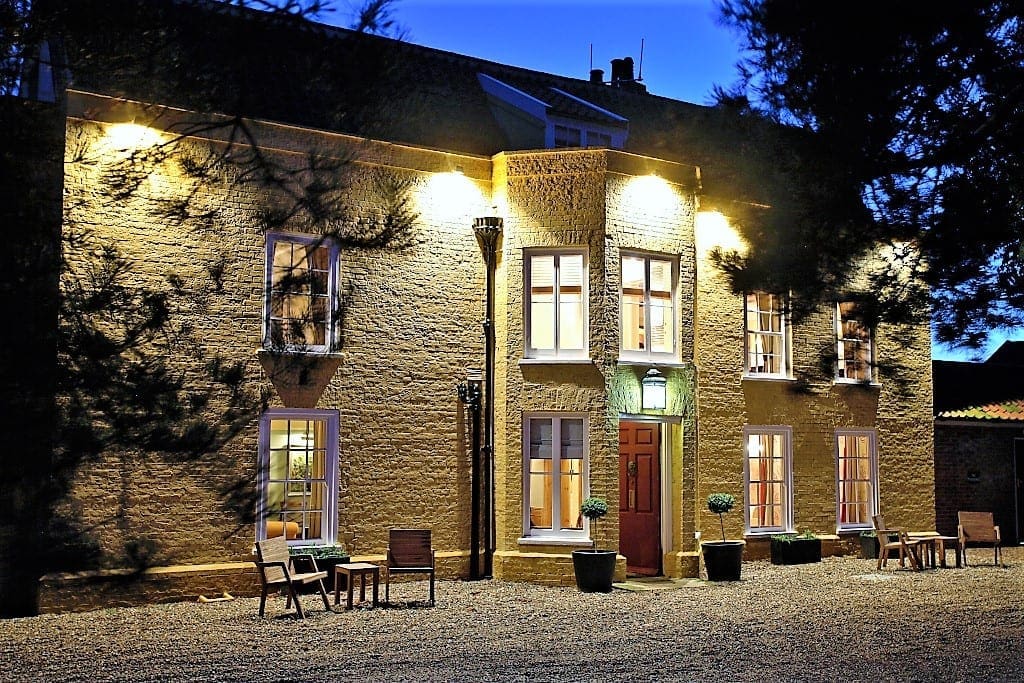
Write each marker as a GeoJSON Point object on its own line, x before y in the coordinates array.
{"type": "Point", "coordinates": [488, 230]}
{"type": "Point", "coordinates": [469, 394]}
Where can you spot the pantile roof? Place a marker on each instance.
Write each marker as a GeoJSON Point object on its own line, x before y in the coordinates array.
{"type": "Point", "coordinates": [992, 391]}
{"type": "Point", "coordinates": [1009, 410]}
{"type": "Point", "coordinates": [330, 78]}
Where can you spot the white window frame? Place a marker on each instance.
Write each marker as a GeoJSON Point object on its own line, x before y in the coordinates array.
{"type": "Point", "coordinates": [330, 505]}
{"type": "Point", "coordinates": [555, 534]}
{"type": "Point", "coordinates": [872, 435]}
{"type": "Point", "coordinates": [647, 355]}
{"type": "Point", "coordinates": [530, 351]}
{"type": "Point", "coordinates": [841, 341]}
{"type": "Point", "coordinates": [274, 238]}
{"type": "Point", "coordinates": [787, 480]}
{"type": "Point", "coordinates": [784, 334]}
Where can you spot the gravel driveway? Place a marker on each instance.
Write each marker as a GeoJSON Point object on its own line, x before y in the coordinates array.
{"type": "Point", "coordinates": [839, 620]}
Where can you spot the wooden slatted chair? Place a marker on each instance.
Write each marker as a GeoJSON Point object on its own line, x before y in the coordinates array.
{"type": "Point", "coordinates": [276, 571]}
{"type": "Point", "coordinates": [978, 528]}
{"type": "Point", "coordinates": [896, 539]}
{"type": "Point", "coordinates": [409, 552]}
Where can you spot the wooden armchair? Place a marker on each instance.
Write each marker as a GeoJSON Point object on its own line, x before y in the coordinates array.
{"type": "Point", "coordinates": [978, 528]}
{"type": "Point", "coordinates": [896, 539]}
{"type": "Point", "coordinates": [276, 571]}
{"type": "Point", "coordinates": [409, 552]}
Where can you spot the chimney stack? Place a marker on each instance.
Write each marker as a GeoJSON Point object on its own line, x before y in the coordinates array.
{"type": "Point", "coordinates": [597, 76]}
{"type": "Point", "coordinates": [622, 75]}
{"type": "Point", "coordinates": [617, 71]}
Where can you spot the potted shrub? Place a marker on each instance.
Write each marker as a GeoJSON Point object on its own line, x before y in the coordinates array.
{"type": "Point", "coordinates": [796, 549]}
{"type": "Point", "coordinates": [722, 559]}
{"type": "Point", "coordinates": [594, 568]}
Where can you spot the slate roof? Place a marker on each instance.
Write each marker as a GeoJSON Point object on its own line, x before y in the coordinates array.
{"type": "Point", "coordinates": [992, 391]}
{"type": "Point", "coordinates": [325, 77]}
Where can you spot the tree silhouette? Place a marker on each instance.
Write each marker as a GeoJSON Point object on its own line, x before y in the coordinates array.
{"type": "Point", "coordinates": [98, 367]}
{"type": "Point", "coordinates": [918, 108]}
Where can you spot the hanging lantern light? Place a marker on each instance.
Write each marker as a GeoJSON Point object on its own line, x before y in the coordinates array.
{"type": "Point", "coordinates": [654, 390]}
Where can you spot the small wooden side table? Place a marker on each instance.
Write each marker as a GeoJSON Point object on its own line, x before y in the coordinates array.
{"type": "Point", "coordinates": [939, 544]}
{"type": "Point", "coordinates": [351, 572]}
{"type": "Point", "coordinates": [944, 542]}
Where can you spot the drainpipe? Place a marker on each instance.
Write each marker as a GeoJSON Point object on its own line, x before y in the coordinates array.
{"type": "Point", "coordinates": [488, 230]}
{"type": "Point", "coordinates": [469, 394]}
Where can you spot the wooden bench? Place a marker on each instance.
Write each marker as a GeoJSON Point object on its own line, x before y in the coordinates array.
{"type": "Point", "coordinates": [276, 571]}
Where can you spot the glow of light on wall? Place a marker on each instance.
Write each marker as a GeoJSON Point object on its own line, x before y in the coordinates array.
{"type": "Point", "coordinates": [129, 137]}
{"type": "Point", "coordinates": [713, 230]}
{"type": "Point", "coordinates": [652, 196]}
{"type": "Point", "coordinates": [450, 198]}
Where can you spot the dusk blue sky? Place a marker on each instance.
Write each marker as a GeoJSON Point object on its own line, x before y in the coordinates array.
{"type": "Point", "coordinates": [686, 50]}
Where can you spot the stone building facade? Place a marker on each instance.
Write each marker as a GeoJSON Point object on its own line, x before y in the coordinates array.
{"type": "Point", "coordinates": [601, 276]}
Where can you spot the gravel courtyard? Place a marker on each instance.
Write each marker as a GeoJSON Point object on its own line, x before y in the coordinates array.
{"type": "Point", "coordinates": [839, 620]}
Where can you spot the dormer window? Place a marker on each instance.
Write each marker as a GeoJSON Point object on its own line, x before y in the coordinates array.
{"type": "Point", "coordinates": [566, 136]}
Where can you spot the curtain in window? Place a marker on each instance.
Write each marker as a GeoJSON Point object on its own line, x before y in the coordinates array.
{"type": "Point", "coordinates": [542, 302]}
{"type": "Point", "coordinates": [854, 343]}
{"type": "Point", "coordinates": [855, 479]}
{"type": "Point", "coordinates": [570, 302]}
{"type": "Point", "coordinates": [541, 508]}
{"type": "Point", "coordinates": [765, 338]}
{"type": "Point", "coordinates": [571, 490]}
{"type": "Point", "coordinates": [662, 327]}
{"type": "Point", "coordinates": [766, 469]}
{"type": "Point", "coordinates": [299, 298]}
{"type": "Point", "coordinates": [556, 488]}
{"type": "Point", "coordinates": [633, 287]}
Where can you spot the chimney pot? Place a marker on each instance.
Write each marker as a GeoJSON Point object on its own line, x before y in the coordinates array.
{"type": "Point", "coordinates": [597, 75]}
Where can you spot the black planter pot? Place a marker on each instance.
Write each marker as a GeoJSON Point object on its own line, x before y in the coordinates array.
{"type": "Point", "coordinates": [868, 548]}
{"type": "Point", "coordinates": [723, 560]}
{"type": "Point", "coordinates": [796, 551]}
{"type": "Point", "coordinates": [594, 570]}
{"type": "Point", "coordinates": [324, 564]}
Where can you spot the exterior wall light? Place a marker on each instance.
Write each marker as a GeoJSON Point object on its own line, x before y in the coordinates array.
{"type": "Point", "coordinates": [128, 137]}
{"type": "Point", "coordinates": [714, 231]}
{"type": "Point", "coordinates": [653, 385]}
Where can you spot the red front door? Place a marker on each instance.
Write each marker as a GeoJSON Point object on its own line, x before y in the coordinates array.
{"type": "Point", "coordinates": [640, 497]}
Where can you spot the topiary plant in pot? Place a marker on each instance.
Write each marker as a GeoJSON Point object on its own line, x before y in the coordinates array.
{"type": "Point", "coordinates": [722, 559]}
{"type": "Point", "coordinates": [594, 568]}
